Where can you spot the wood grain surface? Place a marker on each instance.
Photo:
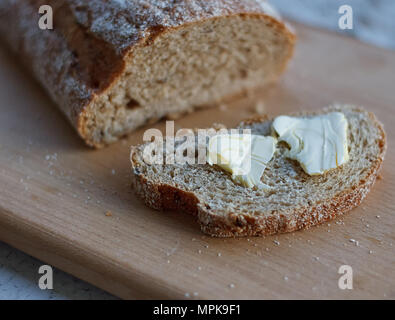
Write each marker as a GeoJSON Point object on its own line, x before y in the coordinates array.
{"type": "Point", "coordinates": [55, 192]}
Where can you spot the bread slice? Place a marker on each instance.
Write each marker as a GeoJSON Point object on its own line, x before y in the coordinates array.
{"type": "Point", "coordinates": [112, 66]}
{"type": "Point", "coordinates": [295, 200]}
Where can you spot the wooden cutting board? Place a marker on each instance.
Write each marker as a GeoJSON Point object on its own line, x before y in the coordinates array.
{"type": "Point", "coordinates": [55, 193]}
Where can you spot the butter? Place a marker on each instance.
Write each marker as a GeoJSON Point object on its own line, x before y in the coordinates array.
{"type": "Point", "coordinates": [319, 143]}
{"type": "Point", "coordinates": [245, 156]}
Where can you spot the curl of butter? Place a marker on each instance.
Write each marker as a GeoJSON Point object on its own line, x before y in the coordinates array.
{"type": "Point", "coordinates": [245, 156]}
{"type": "Point", "coordinates": [318, 143]}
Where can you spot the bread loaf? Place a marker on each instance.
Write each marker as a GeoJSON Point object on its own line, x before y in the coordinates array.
{"type": "Point", "coordinates": [294, 201]}
{"type": "Point", "coordinates": [114, 65]}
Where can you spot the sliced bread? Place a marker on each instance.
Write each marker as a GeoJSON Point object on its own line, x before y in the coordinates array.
{"type": "Point", "coordinates": [112, 66]}
{"type": "Point", "coordinates": [294, 201]}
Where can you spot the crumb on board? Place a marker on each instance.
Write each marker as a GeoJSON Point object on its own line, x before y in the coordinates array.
{"type": "Point", "coordinates": [218, 126]}
{"type": "Point", "coordinates": [108, 213]}
{"type": "Point", "coordinates": [223, 107]}
{"type": "Point", "coordinates": [259, 107]}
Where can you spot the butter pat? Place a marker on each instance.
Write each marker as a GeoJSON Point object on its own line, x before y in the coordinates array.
{"type": "Point", "coordinates": [318, 143]}
{"type": "Point", "coordinates": [245, 156]}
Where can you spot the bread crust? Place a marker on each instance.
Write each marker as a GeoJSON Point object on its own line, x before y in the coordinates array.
{"type": "Point", "coordinates": [167, 197]}
{"type": "Point", "coordinates": [84, 55]}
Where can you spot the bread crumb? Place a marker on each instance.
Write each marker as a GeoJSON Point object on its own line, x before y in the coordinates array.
{"type": "Point", "coordinates": [277, 243]}
{"type": "Point", "coordinates": [260, 107]}
{"type": "Point", "coordinates": [231, 285]}
{"type": "Point", "coordinates": [187, 295]}
{"type": "Point", "coordinates": [218, 126]}
{"type": "Point", "coordinates": [379, 177]}
{"type": "Point", "coordinates": [219, 254]}
{"type": "Point", "coordinates": [223, 107]}
{"type": "Point", "coordinates": [108, 213]}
